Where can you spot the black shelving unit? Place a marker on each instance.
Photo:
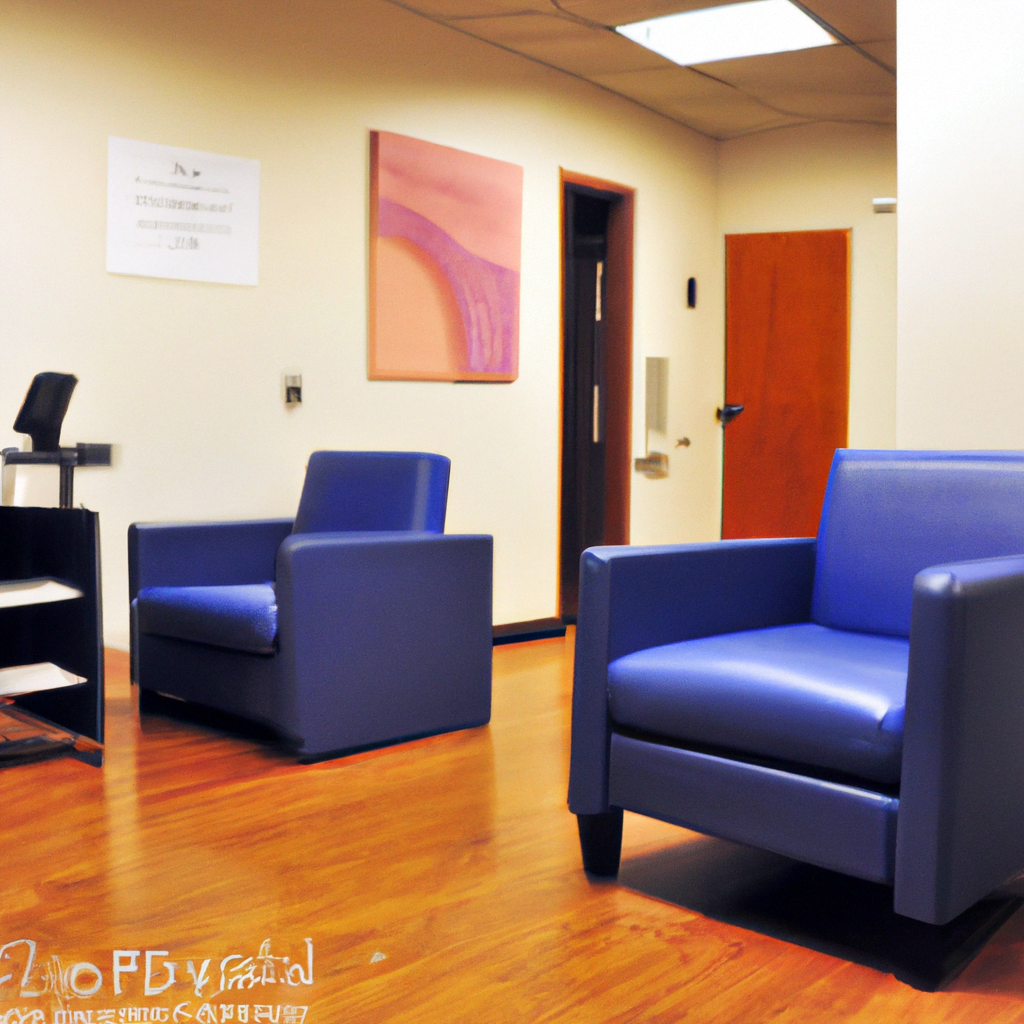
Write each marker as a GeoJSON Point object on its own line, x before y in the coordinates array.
{"type": "Point", "coordinates": [60, 544]}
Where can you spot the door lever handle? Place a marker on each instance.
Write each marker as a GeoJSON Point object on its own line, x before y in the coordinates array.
{"type": "Point", "coordinates": [728, 413]}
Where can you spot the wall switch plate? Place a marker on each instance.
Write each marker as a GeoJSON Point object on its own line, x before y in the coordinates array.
{"type": "Point", "coordinates": [292, 387]}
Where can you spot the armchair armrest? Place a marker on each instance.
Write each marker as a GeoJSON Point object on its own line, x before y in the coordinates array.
{"type": "Point", "coordinates": [960, 831]}
{"type": "Point", "coordinates": [635, 598]}
{"type": "Point", "coordinates": [203, 554]}
{"type": "Point", "coordinates": [383, 635]}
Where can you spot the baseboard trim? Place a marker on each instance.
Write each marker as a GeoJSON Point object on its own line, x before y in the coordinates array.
{"type": "Point", "coordinates": [534, 629]}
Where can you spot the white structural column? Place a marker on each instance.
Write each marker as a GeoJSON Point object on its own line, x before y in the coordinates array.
{"type": "Point", "coordinates": [960, 316]}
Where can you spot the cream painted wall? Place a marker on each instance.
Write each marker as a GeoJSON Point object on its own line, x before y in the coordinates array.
{"type": "Point", "coordinates": [185, 377]}
{"type": "Point", "coordinates": [824, 176]}
{"type": "Point", "coordinates": [960, 371]}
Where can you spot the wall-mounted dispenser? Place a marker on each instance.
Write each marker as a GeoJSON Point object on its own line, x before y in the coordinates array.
{"type": "Point", "coordinates": [656, 409]}
{"type": "Point", "coordinates": [655, 464]}
{"type": "Point", "coordinates": [691, 293]}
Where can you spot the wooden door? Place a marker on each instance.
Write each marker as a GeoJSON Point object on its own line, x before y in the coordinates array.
{"type": "Point", "coordinates": [787, 364]}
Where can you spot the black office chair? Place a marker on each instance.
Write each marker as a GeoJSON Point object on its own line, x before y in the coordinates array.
{"type": "Point", "coordinates": [41, 417]}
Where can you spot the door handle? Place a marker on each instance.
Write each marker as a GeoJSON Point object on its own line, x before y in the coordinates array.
{"type": "Point", "coordinates": [728, 413]}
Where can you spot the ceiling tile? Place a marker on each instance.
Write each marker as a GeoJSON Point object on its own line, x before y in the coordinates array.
{"type": "Point", "coordinates": [673, 82]}
{"type": "Point", "coordinates": [825, 69]}
{"type": "Point", "coordinates": [623, 12]}
{"type": "Point", "coordinates": [820, 106]}
{"type": "Point", "coordinates": [454, 9]}
{"type": "Point", "coordinates": [828, 82]}
{"type": "Point", "coordinates": [711, 107]}
{"type": "Point", "coordinates": [885, 51]}
{"type": "Point", "coordinates": [565, 44]}
{"type": "Point", "coordinates": [727, 121]}
{"type": "Point", "coordinates": [863, 21]}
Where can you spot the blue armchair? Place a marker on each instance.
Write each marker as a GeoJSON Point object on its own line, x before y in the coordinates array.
{"type": "Point", "coordinates": [355, 625]}
{"type": "Point", "coordinates": [854, 701]}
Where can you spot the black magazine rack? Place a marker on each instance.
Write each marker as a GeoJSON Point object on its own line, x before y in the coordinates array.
{"type": "Point", "coordinates": [48, 551]}
{"type": "Point", "coordinates": [63, 545]}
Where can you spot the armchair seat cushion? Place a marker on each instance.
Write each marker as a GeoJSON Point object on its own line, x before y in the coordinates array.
{"type": "Point", "coordinates": [242, 618]}
{"type": "Point", "coordinates": [826, 698]}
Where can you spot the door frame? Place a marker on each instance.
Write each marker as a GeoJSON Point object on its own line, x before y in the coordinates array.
{"type": "Point", "coordinates": [618, 318]}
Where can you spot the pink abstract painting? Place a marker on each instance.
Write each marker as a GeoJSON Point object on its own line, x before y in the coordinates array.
{"type": "Point", "coordinates": [445, 241]}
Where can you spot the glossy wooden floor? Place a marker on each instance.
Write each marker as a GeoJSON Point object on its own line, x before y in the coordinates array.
{"type": "Point", "coordinates": [439, 882]}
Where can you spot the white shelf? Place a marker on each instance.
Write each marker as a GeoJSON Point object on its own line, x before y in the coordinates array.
{"type": "Point", "coordinates": [32, 678]}
{"type": "Point", "coordinates": [17, 593]}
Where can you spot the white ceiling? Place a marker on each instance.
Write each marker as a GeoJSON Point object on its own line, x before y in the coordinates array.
{"type": "Point", "coordinates": [853, 82]}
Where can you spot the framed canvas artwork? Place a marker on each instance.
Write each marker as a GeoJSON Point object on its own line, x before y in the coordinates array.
{"type": "Point", "coordinates": [445, 241]}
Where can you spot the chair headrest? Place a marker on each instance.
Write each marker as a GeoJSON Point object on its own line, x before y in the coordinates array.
{"type": "Point", "coordinates": [43, 411]}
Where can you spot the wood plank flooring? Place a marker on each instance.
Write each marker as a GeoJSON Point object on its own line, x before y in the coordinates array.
{"type": "Point", "coordinates": [439, 881]}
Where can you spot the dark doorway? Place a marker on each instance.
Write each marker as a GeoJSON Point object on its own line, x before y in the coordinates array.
{"type": "Point", "coordinates": [596, 364]}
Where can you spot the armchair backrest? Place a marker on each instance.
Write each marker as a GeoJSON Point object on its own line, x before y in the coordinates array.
{"type": "Point", "coordinates": [347, 491]}
{"type": "Point", "coordinates": [889, 514]}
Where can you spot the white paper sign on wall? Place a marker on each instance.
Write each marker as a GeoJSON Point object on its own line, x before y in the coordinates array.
{"type": "Point", "coordinates": [181, 213]}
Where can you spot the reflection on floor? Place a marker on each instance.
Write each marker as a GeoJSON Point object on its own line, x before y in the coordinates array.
{"type": "Point", "coordinates": [438, 881]}
{"type": "Point", "coordinates": [843, 916]}
{"type": "Point", "coordinates": [25, 738]}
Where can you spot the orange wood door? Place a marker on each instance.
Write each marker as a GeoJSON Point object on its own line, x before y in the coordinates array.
{"type": "Point", "coordinates": [787, 362]}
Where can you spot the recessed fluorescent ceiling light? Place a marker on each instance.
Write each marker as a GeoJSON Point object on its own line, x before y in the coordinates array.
{"type": "Point", "coordinates": [735, 30]}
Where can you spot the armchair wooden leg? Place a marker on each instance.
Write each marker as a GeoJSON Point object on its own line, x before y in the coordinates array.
{"type": "Point", "coordinates": [601, 842]}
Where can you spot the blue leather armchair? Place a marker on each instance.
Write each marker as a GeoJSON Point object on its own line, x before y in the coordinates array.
{"type": "Point", "coordinates": [854, 701]}
{"type": "Point", "coordinates": [357, 624]}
